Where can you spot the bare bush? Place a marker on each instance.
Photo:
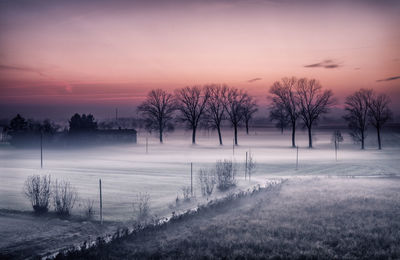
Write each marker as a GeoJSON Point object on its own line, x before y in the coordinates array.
{"type": "Point", "coordinates": [141, 208]}
{"type": "Point", "coordinates": [64, 197]}
{"type": "Point", "coordinates": [89, 209]}
{"type": "Point", "coordinates": [225, 173]}
{"type": "Point", "coordinates": [251, 165]}
{"type": "Point", "coordinates": [207, 182]}
{"type": "Point", "coordinates": [38, 190]}
{"type": "Point", "coordinates": [186, 192]}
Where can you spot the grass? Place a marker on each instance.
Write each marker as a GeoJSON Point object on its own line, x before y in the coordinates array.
{"type": "Point", "coordinates": [320, 218]}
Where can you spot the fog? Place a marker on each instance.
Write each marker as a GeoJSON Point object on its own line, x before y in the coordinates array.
{"type": "Point", "coordinates": [126, 169]}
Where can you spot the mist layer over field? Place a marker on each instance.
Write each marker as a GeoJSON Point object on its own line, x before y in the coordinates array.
{"type": "Point", "coordinates": [126, 170]}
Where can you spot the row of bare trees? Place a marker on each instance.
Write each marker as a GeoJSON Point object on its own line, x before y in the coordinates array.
{"type": "Point", "coordinates": [303, 98]}
{"type": "Point", "coordinates": [195, 105]}
{"type": "Point", "coordinates": [366, 107]}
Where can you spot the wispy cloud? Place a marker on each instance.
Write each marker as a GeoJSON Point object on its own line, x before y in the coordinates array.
{"type": "Point", "coordinates": [327, 64]}
{"type": "Point", "coordinates": [389, 79]}
{"type": "Point", "coordinates": [21, 69]}
{"type": "Point", "coordinates": [255, 79]}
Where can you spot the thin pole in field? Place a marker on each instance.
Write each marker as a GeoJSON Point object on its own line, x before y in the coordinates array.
{"type": "Point", "coordinates": [297, 157]}
{"type": "Point", "coordinates": [335, 150]}
{"type": "Point", "coordinates": [147, 145]}
{"type": "Point", "coordinates": [233, 146]}
{"type": "Point", "coordinates": [245, 170]}
{"type": "Point", "coordinates": [191, 178]}
{"type": "Point", "coordinates": [41, 150]}
{"type": "Point", "coordinates": [101, 204]}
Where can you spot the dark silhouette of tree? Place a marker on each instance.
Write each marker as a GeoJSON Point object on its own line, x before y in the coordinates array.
{"type": "Point", "coordinates": [283, 95]}
{"type": "Point", "coordinates": [379, 113]}
{"type": "Point", "coordinates": [280, 116]}
{"type": "Point", "coordinates": [313, 102]}
{"type": "Point", "coordinates": [357, 107]}
{"type": "Point", "coordinates": [234, 100]}
{"type": "Point", "coordinates": [249, 108]}
{"type": "Point", "coordinates": [84, 123]}
{"type": "Point", "coordinates": [191, 102]}
{"type": "Point", "coordinates": [18, 124]}
{"type": "Point", "coordinates": [157, 110]}
{"type": "Point", "coordinates": [215, 110]}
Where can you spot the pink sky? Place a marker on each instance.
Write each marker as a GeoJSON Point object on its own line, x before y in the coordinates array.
{"type": "Point", "coordinates": [113, 53]}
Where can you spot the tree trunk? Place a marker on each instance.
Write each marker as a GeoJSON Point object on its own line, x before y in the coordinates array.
{"type": "Point", "coordinates": [378, 130]}
{"type": "Point", "coordinates": [219, 134]}
{"type": "Point", "coordinates": [293, 135]}
{"type": "Point", "coordinates": [309, 137]}
{"type": "Point", "coordinates": [362, 139]}
{"type": "Point", "coordinates": [247, 126]}
{"type": "Point", "coordinates": [161, 132]}
{"type": "Point", "coordinates": [194, 135]}
{"type": "Point", "coordinates": [236, 141]}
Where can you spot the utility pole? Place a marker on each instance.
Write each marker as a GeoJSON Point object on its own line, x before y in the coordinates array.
{"type": "Point", "coordinates": [101, 204]}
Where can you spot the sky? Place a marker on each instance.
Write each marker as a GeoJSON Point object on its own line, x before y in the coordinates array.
{"type": "Point", "coordinates": [61, 57]}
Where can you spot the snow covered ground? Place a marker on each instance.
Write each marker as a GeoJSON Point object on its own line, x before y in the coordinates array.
{"type": "Point", "coordinates": [126, 170]}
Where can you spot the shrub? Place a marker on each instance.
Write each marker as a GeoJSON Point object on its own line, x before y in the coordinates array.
{"type": "Point", "coordinates": [64, 197]}
{"type": "Point", "coordinates": [186, 192]}
{"type": "Point", "coordinates": [141, 208]}
{"type": "Point", "coordinates": [38, 190]}
{"type": "Point", "coordinates": [89, 210]}
{"type": "Point", "coordinates": [251, 165]}
{"type": "Point", "coordinates": [225, 172]}
{"type": "Point", "coordinates": [207, 181]}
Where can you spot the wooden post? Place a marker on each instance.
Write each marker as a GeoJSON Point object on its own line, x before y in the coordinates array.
{"type": "Point", "coordinates": [297, 157]}
{"type": "Point", "coordinates": [101, 204]}
{"type": "Point", "coordinates": [147, 145]}
{"type": "Point", "coordinates": [41, 149]}
{"type": "Point", "coordinates": [191, 178]}
{"type": "Point", "coordinates": [245, 170]}
{"type": "Point", "coordinates": [233, 146]}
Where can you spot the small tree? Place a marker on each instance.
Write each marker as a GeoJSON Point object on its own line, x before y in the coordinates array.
{"type": "Point", "coordinates": [280, 116]}
{"type": "Point", "coordinates": [225, 172]}
{"type": "Point", "coordinates": [234, 100]}
{"type": "Point", "coordinates": [158, 111]}
{"type": "Point", "coordinates": [313, 102]}
{"type": "Point", "coordinates": [357, 107]}
{"type": "Point", "coordinates": [249, 108]}
{"type": "Point", "coordinates": [191, 102]}
{"type": "Point", "coordinates": [207, 182]}
{"type": "Point", "coordinates": [283, 95]}
{"type": "Point", "coordinates": [251, 165]}
{"type": "Point", "coordinates": [215, 111]}
{"type": "Point", "coordinates": [379, 113]}
{"type": "Point", "coordinates": [38, 190]}
{"type": "Point", "coordinates": [64, 197]}
{"type": "Point", "coordinates": [337, 138]}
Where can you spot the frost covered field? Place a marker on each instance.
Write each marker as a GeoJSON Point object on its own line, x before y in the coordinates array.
{"type": "Point", "coordinates": [127, 170]}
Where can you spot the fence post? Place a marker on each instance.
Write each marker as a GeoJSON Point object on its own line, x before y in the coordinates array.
{"type": "Point", "coordinates": [233, 146]}
{"type": "Point", "coordinates": [297, 157]}
{"type": "Point", "coordinates": [41, 149]}
{"type": "Point", "coordinates": [101, 204]}
{"type": "Point", "coordinates": [191, 178]}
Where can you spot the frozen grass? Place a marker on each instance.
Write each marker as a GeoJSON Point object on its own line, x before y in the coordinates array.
{"type": "Point", "coordinates": [326, 218]}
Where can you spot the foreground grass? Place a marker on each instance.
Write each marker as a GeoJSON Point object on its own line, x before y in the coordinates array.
{"type": "Point", "coordinates": [313, 218]}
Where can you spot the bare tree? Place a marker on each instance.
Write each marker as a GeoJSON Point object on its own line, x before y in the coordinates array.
{"type": "Point", "coordinates": [158, 111]}
{"type": "Point", "coordinates": [191, 102]}
{"type": "Point", "coordinates": [249, 108]}
{"type": "Point", "coordinates": [357, 107]}
{"type": "Point", "coordinates": [278, 113]}
{"type": "Point", "coordinates": [313, 102]}
{"type": "Point", "coordinates": [283, 95]}
{"type": "Point", "coordinates": [234, 100]}
{"type": "Point", "coordinates": [379, 113]}
{"type": "Point", "coordinates": [38, 190]}
{"type": "Point", "coordinates": [215, 107]}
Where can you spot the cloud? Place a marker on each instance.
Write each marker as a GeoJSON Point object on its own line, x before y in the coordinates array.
{"type": "Point", "coordinates": [389, 79]}
{"type": "Point", "coordinates": [255, 79]}
{"type": "Point", "coordinates": [20, 68]}
{"type": "Point", "coordinates": [327, 64]}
